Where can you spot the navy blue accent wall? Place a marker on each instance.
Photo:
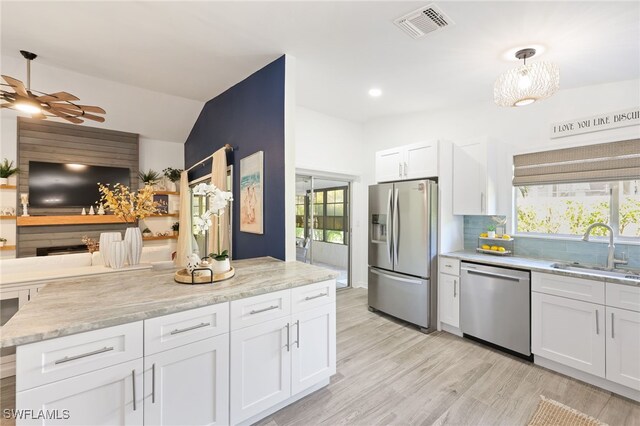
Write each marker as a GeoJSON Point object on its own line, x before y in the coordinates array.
{"type": "Point", "coordinates": [250, 117]}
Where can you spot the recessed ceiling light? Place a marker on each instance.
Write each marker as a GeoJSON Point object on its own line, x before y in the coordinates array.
{"type": "Point", "coordinates": [375, 92]}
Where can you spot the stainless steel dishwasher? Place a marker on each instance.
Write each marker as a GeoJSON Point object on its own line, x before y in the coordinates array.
{"type": "Point", "coordinates": [495, 306]}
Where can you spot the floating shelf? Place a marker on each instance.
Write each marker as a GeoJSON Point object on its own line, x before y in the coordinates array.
{"type": "Point", "coordinates": [166, 193]}
{"type": "Point", "coordinates": [7, 187]}
{"type": "Point", "coordinates": [8, 248]}
{"type": "Point", "coordinates": [168, 237]}
{"type": "Point", "coordinates": [8, 217]}
{"type": "Point", "coordinates": [163, 215]}
{"type": "Point", "coordinates": [68, 220]}
{"type": "Point", "coordinates": [495, 239]}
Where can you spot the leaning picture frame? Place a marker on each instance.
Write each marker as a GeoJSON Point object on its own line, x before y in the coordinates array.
{"type": "Point", "coordinates": [252, 193]}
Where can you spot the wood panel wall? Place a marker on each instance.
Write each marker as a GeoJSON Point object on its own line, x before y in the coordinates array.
{"type": "Point", "coordinates": [44, 140]}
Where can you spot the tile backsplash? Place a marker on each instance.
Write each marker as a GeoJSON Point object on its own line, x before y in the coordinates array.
{"type": "Point", "coordinates": [592, 252]}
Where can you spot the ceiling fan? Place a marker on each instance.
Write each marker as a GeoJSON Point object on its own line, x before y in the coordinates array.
{"type": "Point", "coordinates": [42, 105]}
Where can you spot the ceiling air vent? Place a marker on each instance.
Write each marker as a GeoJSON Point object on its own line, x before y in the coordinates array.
{"type": "Point", "coordinates": [423, 21]}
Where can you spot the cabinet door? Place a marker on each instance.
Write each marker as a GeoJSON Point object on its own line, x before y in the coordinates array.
{"type": "Point", "coordinates": [449, 298]}
{"type": "Point", "coordinates": [260, 368]}
{"type": "Point", "coordinates": [313, 347]}
{"type": "Point", "coordinates": [389, 165]}
{"type": "Point", "coordinates": [469, 179]}
{"type": "Point", "coordinates": [623, 347]}
{"type": "Point", "coordinates": [421, 160]}
{"type": "Point", "coordinates": [570, 332]}
{"type": "Point", "coordinates": [188, 385]}
{"type": "Point", "coordinates": [103, 397]}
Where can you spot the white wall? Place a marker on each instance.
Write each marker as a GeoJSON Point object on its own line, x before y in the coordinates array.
{"type": "Point", "coordinates": [519, 130]}
{"type": "Point", "coordinates": [333, 147]}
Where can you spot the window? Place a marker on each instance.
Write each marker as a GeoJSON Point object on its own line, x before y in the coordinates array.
{"type": "Point", "coordinates": [569, 208]}
{"type": "Point", "coordinates": [301, 206]}
{"type": "Point", "coordinates": [330, 215]}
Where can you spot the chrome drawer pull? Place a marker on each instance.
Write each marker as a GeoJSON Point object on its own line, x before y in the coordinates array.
{"type": "Point", "coordinates": [597, 322]}
{"type": "Point", "coordinates": [316, 296]}
{"type": "Point", "coordinates": [203, 324]}
{"type": "Point", "coordinates": [73, 358]}
{"type": "Point", "coordinates": [257, 311]}
{"type": "Point", "coordinates": [133, 380]}
{"type": "Point", "coordinates": [612, 331]}
{"type": "Point", "coordinates": [153, 383]}
{"type": "Point", "coordinates": [288, 337]}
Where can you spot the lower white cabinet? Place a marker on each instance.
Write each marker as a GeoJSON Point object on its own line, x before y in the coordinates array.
{"type": "Point", "coordinates": [260, 368]}
{"type": "Point", "coordinates": [188, 385]}
{"type": "Point", "coordinates": [623, 347]}
{"type": "Point", "coordinates": [571, 332]}
{"type": "Point", "coordinates": [449, 299]}
{"type": "Point", "coordinates": [102, 397]}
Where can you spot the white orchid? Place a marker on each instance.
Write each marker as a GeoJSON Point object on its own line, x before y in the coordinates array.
{"type": "Point", "coordinates": [218, 200]}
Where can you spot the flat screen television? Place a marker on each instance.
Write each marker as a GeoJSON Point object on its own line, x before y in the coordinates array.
{"type": "Point", "coordinates": [70, 185]}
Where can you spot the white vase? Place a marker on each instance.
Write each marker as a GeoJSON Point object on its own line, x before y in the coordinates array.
{"type": "Point", "coordinates": [220, 266]}
{"type": "Point", "coordinates": [133, 238]}
{"type": "Point", "coordinates": [118, 253]}
{"type": "Point", "coordinates": [4, 181]}
{"type": "Point", "coordinates": [106, 238]}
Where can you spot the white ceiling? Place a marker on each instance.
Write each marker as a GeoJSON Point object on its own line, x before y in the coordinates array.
{"type": "Point", "coordinates": [198, 49]}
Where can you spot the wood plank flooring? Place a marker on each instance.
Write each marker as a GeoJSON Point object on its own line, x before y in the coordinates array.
{"type": "Point", "coordinates": [390, 373]}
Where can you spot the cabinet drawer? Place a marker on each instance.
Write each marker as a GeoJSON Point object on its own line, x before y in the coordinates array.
{"type": "Point", "coordinates": [258, 309]}
{"type": "Point", "coordinates": [56, 359]}
{"type": "Point", "coordinates": [449, 266]}
{"type": "Point", "coordinates": [181, 328]}
{"type": "Point", "coordinates": [623, 296]}
{"type": "Point", "coordinates": [313, 295]}
{"type": "Point", "coordinates": [573, 288]}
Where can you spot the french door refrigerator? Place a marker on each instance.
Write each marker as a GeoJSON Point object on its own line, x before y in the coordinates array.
{"type": "Point", "coordinates": [403, 227]}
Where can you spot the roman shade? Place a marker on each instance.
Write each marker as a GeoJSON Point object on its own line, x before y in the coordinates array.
{"type": "Point", "coordinates": [601, 162]}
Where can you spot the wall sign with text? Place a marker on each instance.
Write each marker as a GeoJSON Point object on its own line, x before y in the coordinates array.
{"type": "Point", "coordinates": [612, 120]}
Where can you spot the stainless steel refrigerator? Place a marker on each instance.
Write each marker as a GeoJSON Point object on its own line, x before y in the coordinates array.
{"type": "Point", "coordinates": [403, 224]}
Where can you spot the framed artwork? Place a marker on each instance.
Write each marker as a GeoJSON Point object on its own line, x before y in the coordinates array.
{"type": "Point", "coordinates": [163, 203]}
{"type": "Point", "coordinates": [251, 193]}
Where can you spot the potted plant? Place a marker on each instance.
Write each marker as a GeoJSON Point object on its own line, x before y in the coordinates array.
{"type": "Point", "coordinates": [2, 241]}
{"type": "Point", "coordinates": [6, 171]}
{"type": "Point", "coordinates": [146, 232]}
{"type": "Point", "coordinates": [150, 177]}
{"type": "Point", "coordinates": [173, 175]}
{"type": "Point", "coordinates": [175, 228]}
{"type": "Point", "coordinates": [491, 231]}
{"type": "Point", "coordinates": [218, 201]}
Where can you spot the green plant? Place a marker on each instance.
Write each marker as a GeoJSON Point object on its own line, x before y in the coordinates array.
{"type": "Point", "coordinates": [172, 174]}
{"type": "Point", "coordinates": [150, 177]}
{"type": "Point", "coordinates": [221, 256]}
{"type": "Point", "coordinates": [3, 240]}
{"type": "Point", "coordinates": [175, 227]}
{"type": "Point", "coordinates": [7, 169]}
{"type": "Point", "coordinates": [491, 228]}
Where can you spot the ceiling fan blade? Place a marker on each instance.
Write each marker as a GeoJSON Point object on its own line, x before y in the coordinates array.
{"type": "Point", "coordinates": [39, 116]}
{"type": "Point", "coordinates": [78, 113]}
{"type": "Point", "coordinates": [92, 108]}
{"type": "Point", "coordinates": [93, 117]}
{"type": "Point", "coordinates": [17, 85]}
{"type": "Point", "coordinates": [58, 96]}
{"type": "Point", "coordinates": [70, 118]}
{"type": "Point", "coordinates": [79, 108]}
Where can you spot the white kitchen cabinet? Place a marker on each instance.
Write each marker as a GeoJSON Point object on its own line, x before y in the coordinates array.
{"type": "Point", "coordinates": [474, 178]}
{"type": "Point", "coordinates": [623, 347]}
{"type": "Point", "coordinates": [109, 396]}
{"type": "Point", "coordinates": [449, 299]}
{"type": "Point", "coordinates": [313, 347]}
{"type": "Point", "coordinates": [260, 367]}
{"type": "Point", "coordinates": [414, 161]}
{"type": "Point", "coordinates": [188, 385]}
{"type": "Point", "coordinates": [571, 332]}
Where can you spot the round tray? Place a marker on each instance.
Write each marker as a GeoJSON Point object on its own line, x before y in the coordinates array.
{"type": "Point", "coordinates": [184, 277]}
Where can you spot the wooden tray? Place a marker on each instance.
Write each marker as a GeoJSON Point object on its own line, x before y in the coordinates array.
{"type": "Point", "coordinates": [184, 277]}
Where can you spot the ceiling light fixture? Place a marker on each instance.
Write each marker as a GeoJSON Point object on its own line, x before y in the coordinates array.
{"type": "Point", "coordinates": [42, 105]}
{"type": "Point", "coordinates": [526, 84]}
{"type": "Point", "coordinates": [375, 93]}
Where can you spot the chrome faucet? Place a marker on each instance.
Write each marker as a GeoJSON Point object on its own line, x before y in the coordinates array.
{"type": "Point", "coordinates": [612, 262]}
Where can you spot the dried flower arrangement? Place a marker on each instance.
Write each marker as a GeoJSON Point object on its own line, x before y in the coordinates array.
{"type": "Point", "coordinates": [91, 244]}
{"type": "Point", "coordinates": [128, 206]}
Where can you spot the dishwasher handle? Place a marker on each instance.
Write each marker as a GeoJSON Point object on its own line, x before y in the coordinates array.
{"type": "Point", "coordinates": [491, 274]}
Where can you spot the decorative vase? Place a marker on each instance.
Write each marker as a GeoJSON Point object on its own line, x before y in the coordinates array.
{"type": "Point", "coordinates": [106, 238]}
{"type": "Point", "coordinates": [133, 238]}
{"type": "Point", "coordinates": [220, 266]}
{"type": "Point", "coordinates": [491, 234]}
{"type": "Point", "coordinates": [4, 181]}
{"type": "Point", "coordinates": [1, 243]}
{"type": "Point", "coordinates": [118, 253]}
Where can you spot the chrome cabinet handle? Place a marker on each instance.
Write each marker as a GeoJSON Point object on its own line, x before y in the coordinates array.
{"type": "Point", "coordinates": [288, 327]}
{"type": "Point", "coordinates": [133, 380]}
{"type": "Point", "coordinates": [405, 169]}
{"type": "Point", "coordinates": [597, 322]}
{"type": "Point", "coordinates": [257, 311]}
{"type": "Point", "coordinates": [297, 342]}
{"type": "Point", "coordinates": [490, 274]}
{"type": "Point", "coordinates": [482, 202]}
{"type": "Point", "coordinates": [153, 383]}
{"type": "Point", "coordinates": [612, 333]}
{"type": "Point", "coordinates": [399, 169]}
{"type": "Point", "coordinates": [316, 296]}
{"type": "Point", "coordinates": [455, 289]}
{"type": "Point", "coordinates": [182, 330]}
{"type": "Point", "coordinates": [73, 358]}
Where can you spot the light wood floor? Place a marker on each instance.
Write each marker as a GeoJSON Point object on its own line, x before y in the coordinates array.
{"type": "Point", "coordinates": [390, 373]}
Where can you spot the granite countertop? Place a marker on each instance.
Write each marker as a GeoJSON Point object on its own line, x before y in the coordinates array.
{"type": "Point", "coordinates": [537, 265]}
{"type": "Point", "coordinates": [74, 305]}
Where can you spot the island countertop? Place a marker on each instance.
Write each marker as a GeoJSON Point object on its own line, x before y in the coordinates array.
{"type": "Point", "coordinates": [75, 305]}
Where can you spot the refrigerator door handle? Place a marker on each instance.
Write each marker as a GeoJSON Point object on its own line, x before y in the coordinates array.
{"type": "Point", "coordinates": [395, 277]}
{"type": "Point", "coordinates": [396, 231]}
{"type": "Point", "coordinates": [389, 232]}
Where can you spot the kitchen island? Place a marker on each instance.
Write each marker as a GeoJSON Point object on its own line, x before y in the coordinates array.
{"type": "Point", "coordinates": [106, 349]}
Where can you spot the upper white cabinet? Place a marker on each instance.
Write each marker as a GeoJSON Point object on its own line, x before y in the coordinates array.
{"type": "Point", "coordinates": [474, 178]}
{"type": "Point", "coordinates": [415, 161]}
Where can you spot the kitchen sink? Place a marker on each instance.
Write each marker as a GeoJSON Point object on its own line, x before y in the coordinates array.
{"type": "Point", "coordinates": [596, 270]}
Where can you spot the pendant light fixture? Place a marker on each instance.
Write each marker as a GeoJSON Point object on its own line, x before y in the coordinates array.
{"type": "Point", "coordinates": [526, 84]}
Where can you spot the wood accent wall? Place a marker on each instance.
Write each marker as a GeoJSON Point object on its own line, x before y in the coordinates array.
{"type": "Point", "coordinates": [44, 140]}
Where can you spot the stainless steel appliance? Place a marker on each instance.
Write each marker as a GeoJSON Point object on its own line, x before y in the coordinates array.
{"type": "Point", "coordinates": [402, 250]}
{"type": "Point", "coordinates": [495, 306]}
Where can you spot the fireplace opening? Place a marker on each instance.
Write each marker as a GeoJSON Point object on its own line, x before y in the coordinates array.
{"type": "Point", "coordinates": [58, 250]}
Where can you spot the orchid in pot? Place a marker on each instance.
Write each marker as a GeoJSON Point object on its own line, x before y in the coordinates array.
{"type": "Point", "coordinates": [218, 200]}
